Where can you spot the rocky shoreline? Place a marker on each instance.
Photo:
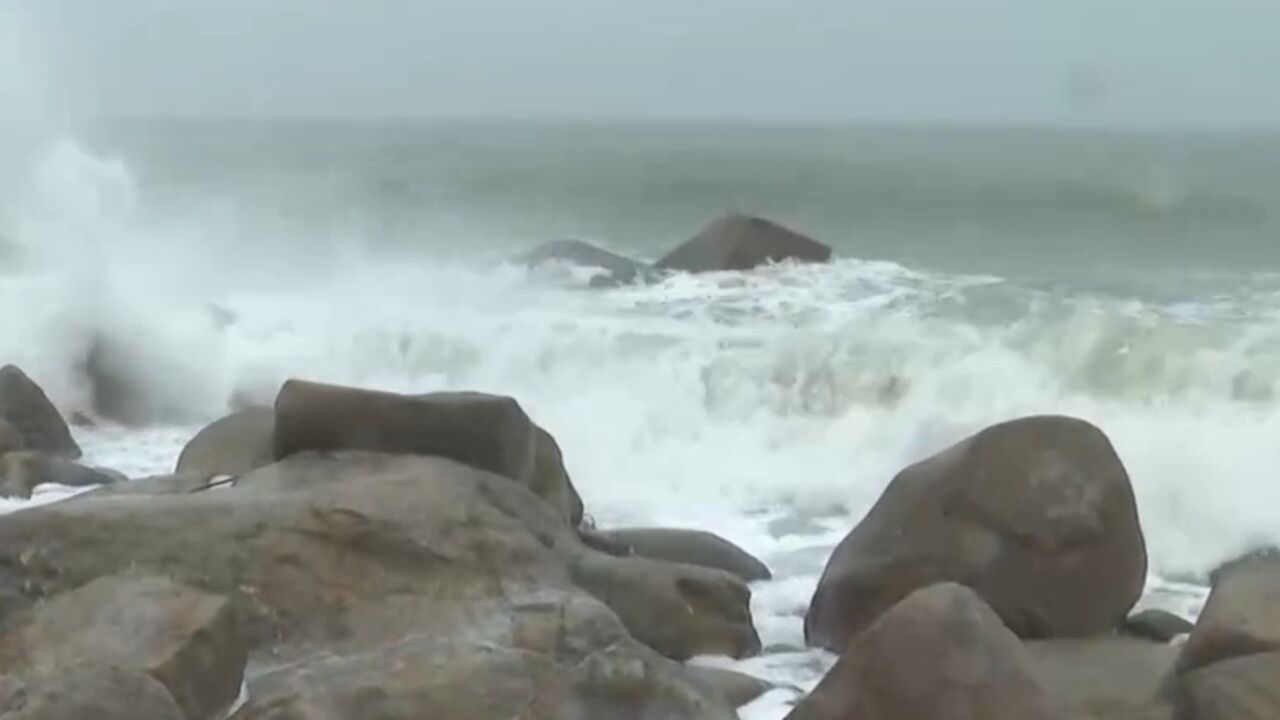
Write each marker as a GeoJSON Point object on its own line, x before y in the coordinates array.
{"type": "Point", "coordinates": [348, 554]}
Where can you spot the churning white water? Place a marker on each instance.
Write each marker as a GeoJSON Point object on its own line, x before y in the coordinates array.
{"type": "Point", "coordinates": [771, 407]}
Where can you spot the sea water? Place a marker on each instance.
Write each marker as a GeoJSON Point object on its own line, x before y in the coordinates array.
{"type": "Point", "coordinates": [982, 274]}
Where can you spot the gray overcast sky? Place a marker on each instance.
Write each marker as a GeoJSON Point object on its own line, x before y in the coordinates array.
{"type": "Point", "coordinates": [1149, 62]}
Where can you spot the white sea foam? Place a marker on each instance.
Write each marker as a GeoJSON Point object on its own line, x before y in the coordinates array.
{"type": "Point", "coordinates": [771, 407]}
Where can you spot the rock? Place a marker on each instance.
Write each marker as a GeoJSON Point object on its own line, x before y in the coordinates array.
{"type": "Point", "coordinates": [737, 689]}
{"type": "Point", "coordinates": [691, 547]}
{"type": "Point", "coordinates": [91, 692]}
{"type": "Point", "coordinates": [741, 242]}
{"type": "Point", "coordinates": [489, 432]}
{"type": "Point", "coordinates": [1242, 615]}
{"type": "Point", "coordinates": [1242, 688]}
{"type": "Point", "coordinates": [187, 640]}
{"type": "Point", "coordinates": [25, 406]}
{"type": "Point", "coordinates": [21, 472]}
{"type": "Point", "coordinates": [164, 485]}
{"type": "Point", "coordinates": [1036, 515]}
{"type": "Point", "coordinates": [561, 659]}
{"type": "Point", "coordinates": [940, 654]}
{"type": "Point", "coordinates": [236, 444]}
{"type": "Point", "coordinates": [346, 556]}
{"type": "Point", "coordinates": [681, 611]}
{"type": "Point", "coordinates": [618, 270]}
{"type": "Point", "coordinates": [10, 438]}
{"type": "Point", "coordinates": [1103, 677]}
{"type": "Point", "coordinates": [1159, 625]}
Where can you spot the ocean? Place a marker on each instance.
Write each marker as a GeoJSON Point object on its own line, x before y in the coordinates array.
{"type": "Point", "coordinates": [983, 273]}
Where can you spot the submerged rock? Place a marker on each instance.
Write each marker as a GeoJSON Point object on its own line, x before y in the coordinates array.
{"type": "Point", "coordinates": [939, 654]}
{"type": "Point", "coordinates": [742, 242]}
{"type": "Point", "coordinates": [617, 270]}
{"type": "Point", "coordinates": [691, 547]}
{"type": "Point", "coordinates": [28, 410]}
{"type": "Point", "coordinates": [489, 432]}
{"type": "Point", "coordinates": [1036, 515]}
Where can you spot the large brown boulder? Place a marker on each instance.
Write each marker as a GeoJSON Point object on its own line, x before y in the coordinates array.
{"type": "Point", "coordinates": [1036, 515]}
{"type": "Point", "coordinates": [1242, 616]}
{"type": "Point", "coordinates": [679, 610]}
{"type": "Point", "coordinates": [337, 561]}
{"type": "Point", "coordinates": [1242, 688]}
{"type": "Point", "coordinates": [940, 654]}
{"type": "Point", "coordinates": [189, 641]}
{"type": "Point", "coordinates": [616, 269]}
{"type": "Point", "coordinates": [234, 445]}
{"type": "Point", "coordinates": [742, 242]}
{"type": "Point", "coordinates": [25, 406]}
{"type": "Point", "coordinates": [690, 547]}
{"type": "Point", "coordinates": [489, 432]}
{"type": "Point", "coordinates": [89, 692]}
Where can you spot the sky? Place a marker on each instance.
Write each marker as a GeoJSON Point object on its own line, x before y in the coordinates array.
{"type": "Point", "coordinates": [1144, 62]}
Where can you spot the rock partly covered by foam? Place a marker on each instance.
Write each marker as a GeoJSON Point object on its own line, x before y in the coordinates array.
{"type": "Point", "coordinates": [233, 445]}
{"type": "Point", "coordinates": [1242, 615]}
{"type": "Point", "coordinates": [743, 242]}
{"type": "Point", "coordinates": [187, 640]}
{"type": "Point", "coordinates": [939, 654]}
{"type": "Point", "coordinates": [24, 470]}
{"type": "Point", "coordinates": [489, 432]}
{"type": "Point", "coordinates": [28, 410]}
{"type": "Point", "coordinates": [614, 268]}
{"type": "Point", "coordinates": [691, 547]}
{"type": "Point", "coordinates": [1036, 515]}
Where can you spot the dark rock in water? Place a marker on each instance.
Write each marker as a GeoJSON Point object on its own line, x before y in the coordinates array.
{"type": "Point", "coordinates": [415, 584]}
{"type": "Point", "coordinates": [741, 242]}
{"type": "Point", "coordinates": [940, 654]}
{"type": "Point", "coordinates": [185, 639]}
{"type": "Point", "coordinates": [1243, 688]}
{"type": "Point", "coordinates": [90, 692]}
{"type": "Point", "coordinates": [10, 438]}
{"type": "Point", "coordinates": [679, 610]}
{"type": "Point", "coordinates": [234, 445]}
{"type": "Point", "coordinates": [737, 689]}
{"type": "Point", "coordinates": [25, 406]}
{"type": "Point", "coordinates": [22, 471]}
{"type": "Point", "coordinates": [1104, 677]}
{"type": "Point", "coordinates": [1036, 515]}
{"type": "Point", "coordinates": [1242, 616]}
{"type": "Point", "coordinates": [1159, 625]}
{"type": "Point", "coordinates": [618, 270]}
{"type": "Point", "coordinates": [691, 547]}
{"type": "Point", "coordinates": [489, 432]}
